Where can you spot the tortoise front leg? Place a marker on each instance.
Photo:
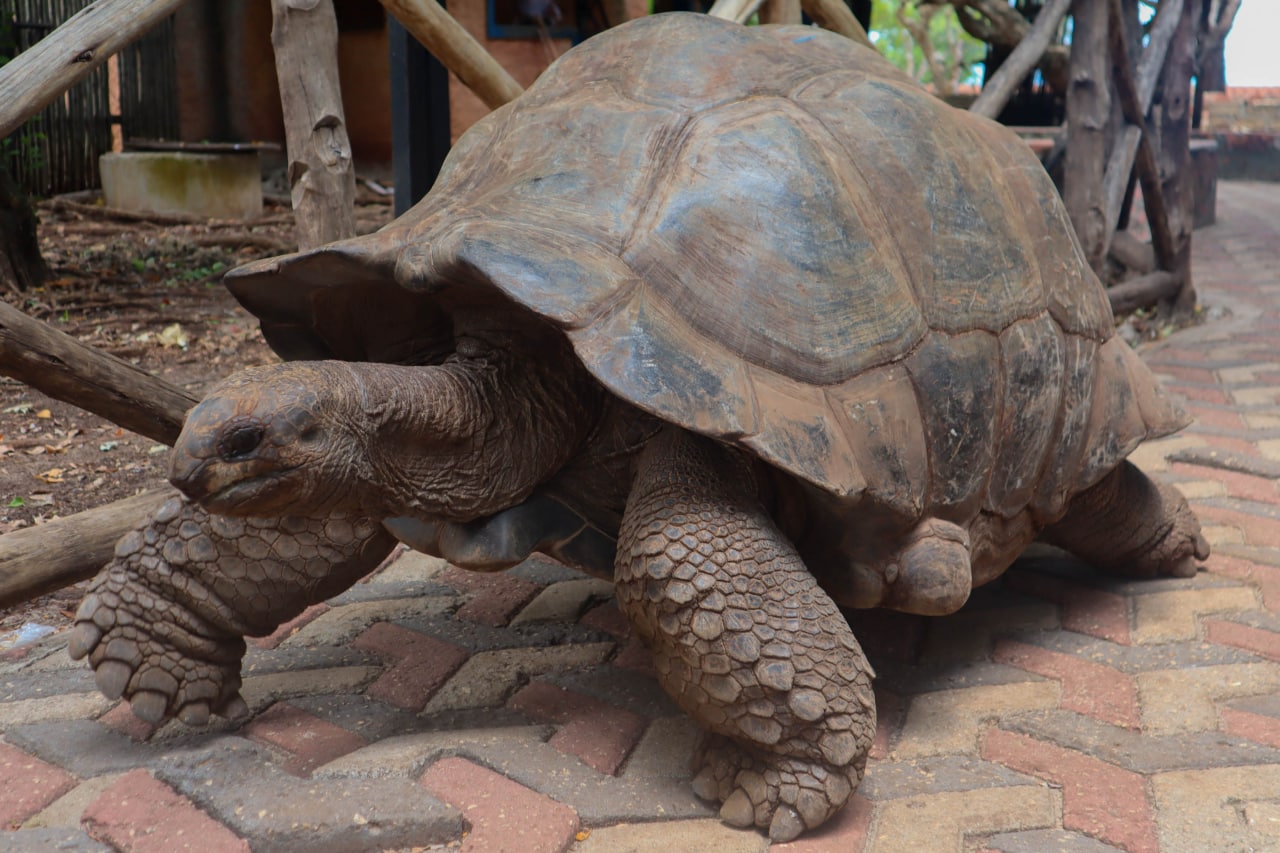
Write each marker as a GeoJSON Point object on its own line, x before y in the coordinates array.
{"type": "Point", "coordinates": [163, 624]}
{"type": "Point", "coordinates": [744, 640]}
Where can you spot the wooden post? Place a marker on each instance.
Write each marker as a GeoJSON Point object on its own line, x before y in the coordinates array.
{"type": "Point", "coordinates": [304, 34]}
{"type": "Point", "coordinates": [449, 42]}
{"type": "Point", "coordinates": [834, 15]}
{"type": "Point", "coordinates": [781, 12]}
{"type": "Point", "coordinates": [87, 39]}
{"type": "Point", "coordinates": [995, 95]}
{"type": "Point", "coordinates": [1175, 152]}
{"type": "Point", "coordinates": [1088, 113]}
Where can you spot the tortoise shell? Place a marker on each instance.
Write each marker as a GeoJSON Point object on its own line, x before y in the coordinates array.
{"type": "Point", "coordinates": [771, 236]}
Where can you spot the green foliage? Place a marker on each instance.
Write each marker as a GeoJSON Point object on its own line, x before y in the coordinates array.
{"type": "Point", "coordinates": [948, 58]}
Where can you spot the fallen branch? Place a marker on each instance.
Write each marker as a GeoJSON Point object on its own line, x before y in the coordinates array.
{"type": "Point", "coordinates": [834, 15]}
{"type": "Point", "coordinates": [995, 95]}
{"type": "Point", "coordinates": [100, 212]}
{"type": "Point", "coordinates": [1132, 253]}
{"type": "Point", "coordinates": [65, 369]}
{"type": "Point", "coordinates": [1141, 292]}
{"type": "Point", "coordinates": [36, 560]}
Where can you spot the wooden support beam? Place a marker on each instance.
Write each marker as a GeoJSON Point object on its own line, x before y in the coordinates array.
{"type": "Point", "coordinates": [58, 365]}
{"type": "Point", "coordinates": [84, 41]}
{"type": "Point", "coordinates": [58, 553]}
{"type": "Point", "coordinates": [1133, 254]}
{"type": "Point", "coordinates": [1088, 114]}
{"type": "Point", "coordinates": [456, 49]}
{"type": "Point", "coordinates": [322, 181]}
{"type": "Point", "coordinates": [995, 95]}
{"type": "Point", "coordinates": [834, 15]}
{"type": "Point", "coordinates": [1125, 149]}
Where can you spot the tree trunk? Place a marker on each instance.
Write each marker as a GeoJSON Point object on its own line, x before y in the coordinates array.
{"type": "Point", "coordinates": [304, 34]}
{"type": "Point", "coordinates": [1088, 114]}
{"type": "Point", "coordinates": [1175, 152]}
{"type": "Point", "coordinates": [996, 93]}
{"type": "Point", "coordinates": [20, 260]}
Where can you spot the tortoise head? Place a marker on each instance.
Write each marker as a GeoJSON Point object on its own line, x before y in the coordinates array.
{"type": "Point", "coordinates": [270, 441]}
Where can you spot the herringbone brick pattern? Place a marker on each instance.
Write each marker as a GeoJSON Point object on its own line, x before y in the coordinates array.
{"type": "Point", "coordinates": [1059, 711]}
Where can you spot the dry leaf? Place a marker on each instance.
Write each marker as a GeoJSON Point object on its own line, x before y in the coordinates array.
{"type": "Point", "coordinates": [53, 475]}
{"type": "Point", "coordinates": [40, 499]}
{"type": "Point", "coordinates": [44, 414]}
{"type": "Point", "coordinates": [174, 336]}
{"type": "Point", "coordinates": [5, 450]}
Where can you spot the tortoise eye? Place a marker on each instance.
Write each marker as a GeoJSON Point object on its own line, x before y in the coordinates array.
{"type": "Point", "coordinates": [240, 441]}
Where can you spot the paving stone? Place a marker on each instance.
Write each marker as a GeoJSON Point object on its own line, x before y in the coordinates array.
{"type": "Point", "coordinates": [928, 677]}
{"type": "Point", "coordinates": [67, 706]}
{"type": "Point", "coordinates": [27, 784]}
{"type": "Point", "coordinates": [422, 664]}
{"type": "Point", "coordinates": [309, 740]}
{"type": "Point", "coordinates": [704, 836]}
{"type": "Point", "coordinates": [143, 815]}
{"type": "Point", "coordinates": [122, 719]}
{"type": "Point", "coordinates": [259, 691]}
{"type": "Point", "coordinates": [543, 571]}
{"type": "Point", "coordinates": [1099, 799]}
{"type": "Point", "coordinates": [1138, 751]}
{"type": "Point", "coordinates": [1087, 687]}
{"type": "Point", "coordinates": [624, 688]}
{"type": "Point", "coordinates": [1202, 809]}
{"type": "Point", "coordinates": [1258, 728]}
{"type": "Point", "coordinates": [492, 597]}
{"type": "Point", "coordinates": [949, 721]}
{"type": "Point", "coordinates": [664, 749]}
{"type": "Point", "coordinates": [83, 747]}
{"type": "Point", "coordinates": [488, 678]}
{"type": "Point", "coordinates": [55, 840]}
{"type": "Point", "coordinates": [406, 756]}
{"type": "Point", "coordinates": [892, 780]}
{"type": "Point", "coordinates": [239, 784]}
{"type": "Point", "coordinates": [503, 815]}
{"type": "Point", "coordinates": [342, 624]}
{"type": "Point", "coordinates": [405, 566]}
{"type": "Point", "coordinates": [290, 628]}
{"type": "Point", "coordinates": [940, 822]}
{"type": "Point", "coordinates": [846, 832]}
{"type": "Point", "coordinates": [385, 590]}
{"type": "Point", "coordinates": [1134, 659]}
{"type": "Point", "coordinates": [35, 684]}
{"type": "Point", "coordinates": [1183, 700]}
{"type": "Point", "coordinates": [1165, 617]}
{"type": "Point", "coordinates": [1046, 841]}
{"type": "Point", "coordinates": [66, 811]}
{"type": "Point", "coordinates": [478, 637]}
{"type": "Point", "coordinates": [972, 633]}
{"type": "Point", "coordinates": [1087, 610]}
{"type": "Point", "coordinates": [259, 661]}
{"type": "Point", "coordinates": [1260, 641]}
{"type": "Point", "coordinates": [371, 719]}
{"type": "Point", "coordinates": [600, 734]}
{"type": "Point", "coordinates": [564, 601]}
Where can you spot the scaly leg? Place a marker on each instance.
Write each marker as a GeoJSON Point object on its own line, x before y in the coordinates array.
{"type": "Point", "coordinates": [744, 639]}
{"type": "Point", "coordinates": [1128, 524]}
{"type": "Point", "coordinates": [163, 624]}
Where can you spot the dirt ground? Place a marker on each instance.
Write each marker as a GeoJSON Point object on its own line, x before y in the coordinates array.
{"type": "Point", "coordinates": [147, 291]}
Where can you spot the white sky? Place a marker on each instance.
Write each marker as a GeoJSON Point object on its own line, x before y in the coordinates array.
{"type": "Point", "coordinates": [1253, 45]}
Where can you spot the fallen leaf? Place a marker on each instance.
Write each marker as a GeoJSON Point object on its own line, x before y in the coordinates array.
{"type": "Point", "coordinates": [174, 336]}
{"type": "Point", "coordinates": [53, 475]}
{"type": "Point", "coordinates": [5, 450]}
{"type": "Point", "coordinates": [40, 499]}
{"type": "Point", "coordinates": [108, 446]}
{"type": "Point", "coordinates": [44, 414]}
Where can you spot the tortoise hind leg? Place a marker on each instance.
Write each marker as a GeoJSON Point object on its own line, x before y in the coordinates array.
{"type": "Point", "coordinates": [743, 639]}
{"type": "Point", "coordinates": [1128, 524]}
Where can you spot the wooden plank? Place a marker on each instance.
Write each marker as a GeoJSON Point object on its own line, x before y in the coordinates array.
{"type": "Point", "coordinates": [449, 42]}
{"type": "Point", "coordinates": [58, 365]}
{"type": "Point", "coordinates": [995, 95]}
{"type": "Point", "coordinates": [322, 181]}
{"type": "Point", "coordinates": [36, 76]}
{"type": "Point", "coordinates": [1088, 112]}
{"type": "Point", "coordinates": [36, 560]}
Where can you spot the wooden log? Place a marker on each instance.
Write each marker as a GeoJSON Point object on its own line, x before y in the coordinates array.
{"type": "Point", "coordinates": [322, 181]}
{"type": "Point", "coordinates": [781, 12]}
{"type": "Point", "coordinates": [996, 93]}
{"type": "Point", "coordinates": [87, 39]}
{"type": "Point", "coordinates": [456, 49]}
{"type": "Point", "coordinates": [1125, 149]}
{"type": "Point", "coordinates": [65, 369]}
{"type": "Point", "coordinates": [834, 15]}
{"type": "Point", "coordinates": [1140, 292]}
{"type": "Point", "coordinates": [37, 560]}
{"type": "Point", "coordinates": [1132, 253]}
{"type": "Point", "coordinates": [1175, 154]}
{"type": "Point", "coordinates": [1088, 114]}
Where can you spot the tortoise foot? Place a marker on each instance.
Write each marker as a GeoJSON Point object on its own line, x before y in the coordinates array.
{"type": "Point", "coordinates": [160, 656]}
{"type": "Point", "coordinates": [782, 794]}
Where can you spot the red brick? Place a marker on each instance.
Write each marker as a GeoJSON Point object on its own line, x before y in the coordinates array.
{"type": "Point", "coordinates": [1266, 578]}
{"type": "Point", "coordinates": [1257, 529]}
{"type": "Point", "coordinates": [1200, 393]}
{"type": "Point", "coordinates": [845, 832]}
{"type": "Point", "coordinates": [309, 740]}
{"type": "Point", "coordinates": [1244, 486]}
{"type": "Point", "coordinates": [891, 711]}
{"type": "Point", "coordinates": [1256, 640]}
{"type": "Point", "coordinates": [27, 785]}
{"type": "Point", "coordinates": [139, 814]}
{"type": "Point", "coordinates": [123, 720]}
{"type": "Point", "coordinates": [598, 733]}
{"type": "Point", "coordinates": [288, 629]}
{"type": "Point", "coordinates": [608, 618]}
{"type": "Point", "coordinates": [1255, 727]}
{"type": "Point", "coordinates": [495, 597]}
{"type": "Point", "coordinates": [1224, 418]}
{"type": "Point", "coordinates": [636, 656]}
{"type": "Point", "coordinates": [505, 817]}
{"type": "Point", "coordinates": [1098, 799]}
{"type": "Point", "coordinates": [423, 664]}
{"type": "Point", "coordinates": [1186, 374]}
{"type": "Point", "coordinates": [1100, 614]}
{"type": "Point", "coordinates": [1088, 688]}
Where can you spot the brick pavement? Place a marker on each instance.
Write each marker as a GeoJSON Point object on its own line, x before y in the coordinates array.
{"type": "Point", "coordinates": [1058, 711]}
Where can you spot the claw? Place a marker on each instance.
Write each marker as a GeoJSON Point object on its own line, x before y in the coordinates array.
{"type": "Point", "coordinates": [112, 677]}
{"type": "Point", "coordinates": [234, 708]}
{"type": "Point", "coordinates": [1184, 568]}
{"type": "Point", "coordinates": [1201, 547]}
{"type": "Point", "coordinates": [84, 637]}
{"type": "Point", "coordinates": [150, 706]}
{"type": "Point", "coordinates": [737, 810]}
{"type": "Point", "coordinates": [786, 824]}
{"type": "Point", "coordinates": [195, 714]}
{"type": "Point", "coordinates": [705, 784]}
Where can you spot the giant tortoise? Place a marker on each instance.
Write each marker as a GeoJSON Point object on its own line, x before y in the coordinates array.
{"type": "Point", "coordinates": [739, 318]}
